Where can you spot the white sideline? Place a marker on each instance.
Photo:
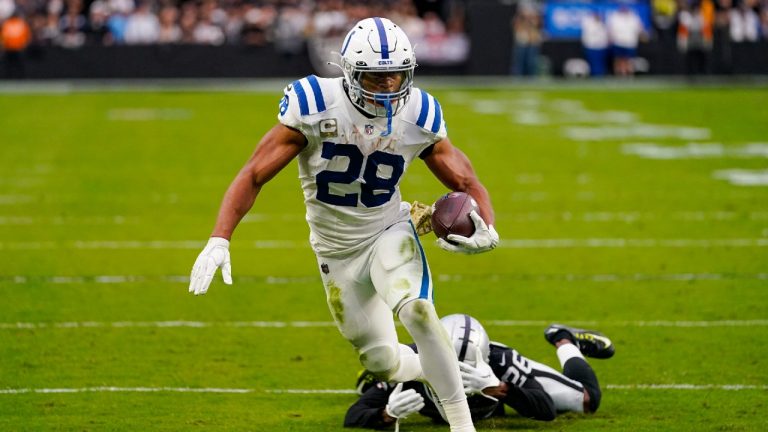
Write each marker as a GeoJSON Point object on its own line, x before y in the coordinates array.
{"type": "Point", "coordinates": [110, 389]}
{"type": "Point", "coordinates": [315, 324]}
{"type": "Point", "coordinates": [551, 243]}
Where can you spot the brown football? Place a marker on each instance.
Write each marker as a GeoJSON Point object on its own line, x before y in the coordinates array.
{"type": "Point", "coordinates": [451, 215]}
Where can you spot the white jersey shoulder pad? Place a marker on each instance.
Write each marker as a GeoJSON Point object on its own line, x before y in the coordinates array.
{"type": "Point", "coordinates": [304, 98]}
{"type": "Point", "coordinates": [425, 112]}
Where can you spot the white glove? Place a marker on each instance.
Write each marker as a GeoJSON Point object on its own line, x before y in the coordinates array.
{"type": "Point", "coordinates": [215, 255]}
{"type": "Point", "coordinates": [401, 403]}
{"type": "Point", "coordinates": [479, 377]}
{"type": "Point", "coordinates": [484, 239]}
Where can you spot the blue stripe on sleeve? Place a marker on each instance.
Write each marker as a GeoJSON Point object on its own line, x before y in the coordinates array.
{"type": "Point", "coordinates": [422, 121]}
{"type": "Point", "coordinates": [319, 101]}
{"type": "Point", "coordinates": [438, 117]}
{"type": "Point", "coordinates": [303, 105]}
{"type": "Point", "coordinates": [383, 38]}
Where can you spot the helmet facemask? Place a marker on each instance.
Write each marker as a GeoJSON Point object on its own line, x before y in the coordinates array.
{"type": "Point", "coordinates": [377, 103]}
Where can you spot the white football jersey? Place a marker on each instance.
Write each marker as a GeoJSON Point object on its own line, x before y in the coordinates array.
{"type": "Point", "coordinates": [349, 172]}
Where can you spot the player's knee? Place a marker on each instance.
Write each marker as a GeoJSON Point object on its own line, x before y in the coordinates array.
{"type": "Point", "coordinates": [380, 359]}
{"type": "Point", "coordinates": [578, 369]}
{"type": "Point", "coordinates": [418, 314]}
{"type": "Point", "coordinates": [594, 398]}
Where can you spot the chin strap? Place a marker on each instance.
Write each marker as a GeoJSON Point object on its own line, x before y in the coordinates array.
{"type": "Point", "coordinates": [388, 104]}
{"type": "Point", "coordinates": [384, 100]}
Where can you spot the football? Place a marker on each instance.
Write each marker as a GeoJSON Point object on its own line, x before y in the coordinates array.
{"type": "Point", "coordinates": [451, 215]}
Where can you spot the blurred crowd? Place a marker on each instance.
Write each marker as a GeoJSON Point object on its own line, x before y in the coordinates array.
{"type": "Point", "coordinates": [436, 27]}
{"type": "Point", "coordinates": [285, 23]}
{"type": "Point", "coordinates": [611, 39]}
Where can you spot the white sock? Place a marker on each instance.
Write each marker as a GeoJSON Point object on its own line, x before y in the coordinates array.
{"type": "Point", "coordinates": [566, 352]}
{"type": "Point", "coordinates": [438, 359]}
{"type": "Point", "coordinates": [409, 368]}
{"type": "Point", "coordinates": [458, 415]}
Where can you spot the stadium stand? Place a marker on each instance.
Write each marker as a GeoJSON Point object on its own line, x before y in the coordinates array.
{"type": "Point", "coordinates": [75, 38]}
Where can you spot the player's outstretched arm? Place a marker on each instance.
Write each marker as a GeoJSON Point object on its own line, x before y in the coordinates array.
{"type": "Point", "coordinates": [276, 149]}
{"type": "Point", "coordinates": [454, 170]}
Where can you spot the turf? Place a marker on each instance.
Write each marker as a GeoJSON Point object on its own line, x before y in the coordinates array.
{"type": "Point", "coordinates": [664, 255]}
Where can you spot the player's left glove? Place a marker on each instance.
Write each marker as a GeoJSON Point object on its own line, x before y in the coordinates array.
{"type": "Point", "coordinates": [401, 403]}
{"type": "Point", "coordinates": [215, 255]}
{"type": "Point", "coordinates": [484, 239]}
{"type": "Point", "coordinates": [479, 377]}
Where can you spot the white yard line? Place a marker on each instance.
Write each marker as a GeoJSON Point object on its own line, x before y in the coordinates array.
{"type": "Point", "coordinates": [546, 243]}
{"type": "Point", "coordinates": [627, 216]}
{"type": "Point", "coordinates": [289, 280]}
{"type": "Point", "coordinates": [331, 324]}
{"type": "Point", "coordinates": [125, 390]}
{"type": "Point", "coordinates": [112, 389]}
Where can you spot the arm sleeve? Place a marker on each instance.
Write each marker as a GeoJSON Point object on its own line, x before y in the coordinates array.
{"type": "Point", "coordinates": [529, 399]}
{"type": "Point", "coordinates": [366, 412]}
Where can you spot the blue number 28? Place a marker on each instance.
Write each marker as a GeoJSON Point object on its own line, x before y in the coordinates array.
{"type": "Point", "coordinates": [374, 190]}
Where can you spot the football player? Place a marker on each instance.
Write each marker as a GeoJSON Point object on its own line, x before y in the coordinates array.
{"type": "Point", "coordinates": [494, 375]}
{"type": "Point", "coordinates": [354, 137]}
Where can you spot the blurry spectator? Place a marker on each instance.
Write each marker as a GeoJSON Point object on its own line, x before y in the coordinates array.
{"type": "Point", "coordinates": [745, 23]}
{"type": "Point", "coordinates": [764, 22]}
{"type": "Point", "coordinates": [664, 17]}
{"type": "Point", "coordinates": [456, 42]}
{"type": "Point", "coordinates": [15, 36]}
{"type": "Point", "coordinates": [55, 7]}
{"type": "Point", "coordinates": [235, 20]}
{"type": "Point", "coordinates": [49, 34]}
{"type": "Point", "coordinates": [72, 25]}
{"type": "Point", "coordinates": [96, 29]}
{"type": "Point", "coordinates": [143, 27]}
{"type": "Point", "coordinates": [594, 39]}
{"type": "Point", "coordinates": [721, 37]}
{"type": "Point", "coordinates": [6, 9]}
{"type": "Point", "coordinates": [406, 17]}
{"type": "Point", "coordinates": [624, 32]}
{"type": "Point", "coordinates": [188, 22]}
{"type": "Point", "coordinates": [123, 7]}
{"type": "Point", "coordinates": [116, 24]}
{"type": "Point", "coordinates": [329, 20]}
{"type": "Point", "coordinates": [526, 27]}
{"type": "Point", "coordinates": [289, 30]}
{"type": "Point", "coordinates": [257, 22]}
{"type": "Point", "coordinates": [694, 36]}
{"type": "Point", "coordinates": [169, 31]}
{"type": "Point", "coordinates": [208, 31]}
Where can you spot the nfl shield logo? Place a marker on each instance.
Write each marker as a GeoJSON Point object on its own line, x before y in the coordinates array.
{"type": "Point", "coordinates": [369, 129]}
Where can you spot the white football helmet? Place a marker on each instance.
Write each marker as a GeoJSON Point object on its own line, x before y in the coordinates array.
{"type": "Point", "coordinates": [377, 45]}
{"type": "Point", "coordinates": [467, 335]}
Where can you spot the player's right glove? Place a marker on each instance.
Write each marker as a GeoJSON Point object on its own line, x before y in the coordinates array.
{"type": "Point", "coordinates": [484, 238]}
{"type": "Point", "coordinates": [401, 403]}
{"type": "Point", "coordinates": [215, 255]}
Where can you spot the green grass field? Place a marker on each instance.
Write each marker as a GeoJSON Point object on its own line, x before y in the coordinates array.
{"type": "Point", "coordinates": [642, 213]}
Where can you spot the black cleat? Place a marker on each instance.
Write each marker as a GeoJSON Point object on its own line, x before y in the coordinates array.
{"type": "Point", "coordinates": [591, 343]}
